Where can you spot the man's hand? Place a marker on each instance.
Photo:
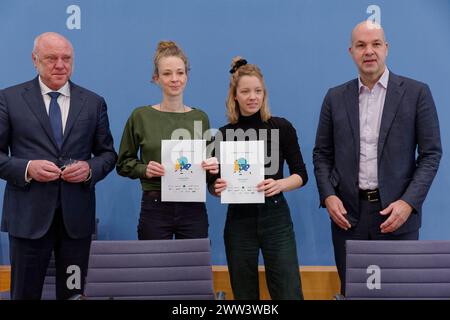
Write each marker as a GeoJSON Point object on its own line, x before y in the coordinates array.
{"type": "Point", "coordinates": [337, 211]}
{"type": "Point", "coordinates": [270, 187]}
{"type": "Point", "coordinates": [219, 186]}
{"type": "Point", "coordinates": [43, 171]}
{"type": "Point", "coordinates": [76, 173]}
{"type": "Point", "coordinates": [211, 164]}
{"type": "Point", "coordinates": [154, 169]}
{"type": "Point", "coordinates": [399, 212]}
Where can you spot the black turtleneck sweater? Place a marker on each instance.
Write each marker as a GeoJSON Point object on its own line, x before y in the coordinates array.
{"type": "Point", "coordinates": [288, 147]}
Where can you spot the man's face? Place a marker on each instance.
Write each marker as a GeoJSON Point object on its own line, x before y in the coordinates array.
{"type": "Point", "coordinates": [369, 49]}
{"type": "Point", "coordinates": [53, 59]}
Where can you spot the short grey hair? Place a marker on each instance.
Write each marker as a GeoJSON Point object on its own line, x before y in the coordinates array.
{"type": "Point", "coordinates": [54, 34]}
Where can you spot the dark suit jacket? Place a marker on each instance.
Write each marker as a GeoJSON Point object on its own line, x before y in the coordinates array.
{"type": "Point", "coordinates": [409, 124]}
{"type": "Point", "coordinates": [26, 134]}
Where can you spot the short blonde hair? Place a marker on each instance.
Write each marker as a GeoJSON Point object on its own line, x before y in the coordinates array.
{"type": "Point", "coordinates": [240, 68]}
{"type": "Point", "coordinates": [168, 49]}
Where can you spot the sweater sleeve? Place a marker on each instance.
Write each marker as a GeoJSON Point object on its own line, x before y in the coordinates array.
{"type": "Point", "coordinates": [291, 151]}
{"type": "Point", "coordinates": [128, 164]}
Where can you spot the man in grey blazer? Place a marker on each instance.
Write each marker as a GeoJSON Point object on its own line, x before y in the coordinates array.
{"type": "Point", "coordinates": [368, 175]}
{"type": "Point", "coordinates": [55, 145]}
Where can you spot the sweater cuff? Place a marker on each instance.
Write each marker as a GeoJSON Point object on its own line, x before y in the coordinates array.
{"type": "Point", "coordinates": [141, 169]}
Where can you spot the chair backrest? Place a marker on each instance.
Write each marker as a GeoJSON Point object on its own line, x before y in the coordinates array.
{"type": "Point", "coordinates": [150, 269]}
{"type": "Point", "coordinates": [397, 270]}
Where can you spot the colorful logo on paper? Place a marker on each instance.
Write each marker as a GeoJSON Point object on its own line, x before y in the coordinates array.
{"type": "Point", "coordinates": [240, 165]}
{"type": "Point", "coordinates": [182, 164]}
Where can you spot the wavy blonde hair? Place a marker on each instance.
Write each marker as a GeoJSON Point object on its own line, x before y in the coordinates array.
{"type": "Point", "coordinates": [231, 103]}
{"type": "Point", "coordinates": [168, 49]}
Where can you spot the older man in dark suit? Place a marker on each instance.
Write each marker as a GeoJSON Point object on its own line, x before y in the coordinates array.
{"type": "Point", "coordinates": [365, 163]}
{"type": "Point", "coordinates": [55, 145]}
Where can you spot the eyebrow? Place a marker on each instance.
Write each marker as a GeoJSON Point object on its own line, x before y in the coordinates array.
{"type": "Point", "coordinates": [248, 88]}
{"type": "Point", "coordinates": [179, 69]}
{"type": "Point", "coordinates": [376, 40]}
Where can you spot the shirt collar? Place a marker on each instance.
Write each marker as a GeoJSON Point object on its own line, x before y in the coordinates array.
{"type": "Point", "coordinates": [383, 81]}
{"type": "Point", "coordinates": [64, 90]}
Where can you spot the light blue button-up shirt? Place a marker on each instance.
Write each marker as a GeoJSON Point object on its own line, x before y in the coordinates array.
{"type": "Point", "coordinates": [371, 103]}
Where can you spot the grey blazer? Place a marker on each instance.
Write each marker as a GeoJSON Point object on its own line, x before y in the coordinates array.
{"type": "Point", "coordinates": [409, 124]}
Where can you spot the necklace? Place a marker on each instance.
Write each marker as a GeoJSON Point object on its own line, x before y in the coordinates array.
{"type": "Point", "coordinates": [183, 109]}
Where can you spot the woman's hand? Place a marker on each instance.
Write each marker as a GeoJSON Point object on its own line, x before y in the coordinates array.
{"type": "Point", "coordinates": [271, 187]}
{"type": "Point", "coordinates": [219, 186]}
{"type": "Point", "coordinates": [154, 169]}
{"type": "Point", "coordinates": [211, 165]}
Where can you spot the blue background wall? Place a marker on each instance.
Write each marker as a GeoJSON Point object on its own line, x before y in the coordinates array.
{"type": "Point", "coordinates": [301, 46]}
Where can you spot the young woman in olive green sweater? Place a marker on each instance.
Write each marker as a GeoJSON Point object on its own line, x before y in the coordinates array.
{"type": "Point", "coordinates": [140, 150]}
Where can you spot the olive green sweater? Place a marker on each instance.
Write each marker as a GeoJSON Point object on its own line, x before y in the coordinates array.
{"type": "Point", "coordinates": [141, 139]}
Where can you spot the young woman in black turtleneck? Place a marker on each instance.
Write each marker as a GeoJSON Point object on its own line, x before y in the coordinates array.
{"type": "Point", "coordinates": [266, 227]}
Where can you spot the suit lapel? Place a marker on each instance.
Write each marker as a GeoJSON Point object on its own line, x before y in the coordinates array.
{"type": "Point", "coordinates": [77, 100]}
{"type": "Point", "coordinates": [394, 94]}
{"type": "Point", "coordinates": [352, 107]}
{"type": "Point", "coordinates": [33, 97]}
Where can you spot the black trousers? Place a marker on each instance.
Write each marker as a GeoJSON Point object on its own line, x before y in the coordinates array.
{"type": "Point", "coordinates": [30, 259]}
{"type": "Point", "coordinates": [266, 227]}
{"type": "Point", "coordinates": [368, 228]}
{"type": "Point", "coordinates": [166, 220]}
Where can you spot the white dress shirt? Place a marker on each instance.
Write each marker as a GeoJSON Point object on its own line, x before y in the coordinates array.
{"type": "Point", "coordinates": [371, 104]}
{"type": "Point", "coordinates": [63, 100]}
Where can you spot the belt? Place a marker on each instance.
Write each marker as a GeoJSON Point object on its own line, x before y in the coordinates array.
{"type": "Point", "coordinates": [152, 193]}
{"type": "Point", "coordinates": [370, 195]}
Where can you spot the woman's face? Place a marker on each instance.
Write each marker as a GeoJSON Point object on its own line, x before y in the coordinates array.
{"type": "Point", "coordinates": [249, 95]}
{"type": "Point", "coordinates": [171, 76]}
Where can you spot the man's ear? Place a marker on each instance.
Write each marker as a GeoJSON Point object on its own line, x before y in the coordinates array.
{"type": "Point", "coordinates": [34, 59]}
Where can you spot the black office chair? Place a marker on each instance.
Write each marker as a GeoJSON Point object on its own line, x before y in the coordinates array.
{"type": "Point", "coordinates": [397, 270]}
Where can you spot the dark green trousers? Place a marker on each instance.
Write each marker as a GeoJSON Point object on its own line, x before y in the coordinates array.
{"type": "Point", "coordinates": [266, 227]}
